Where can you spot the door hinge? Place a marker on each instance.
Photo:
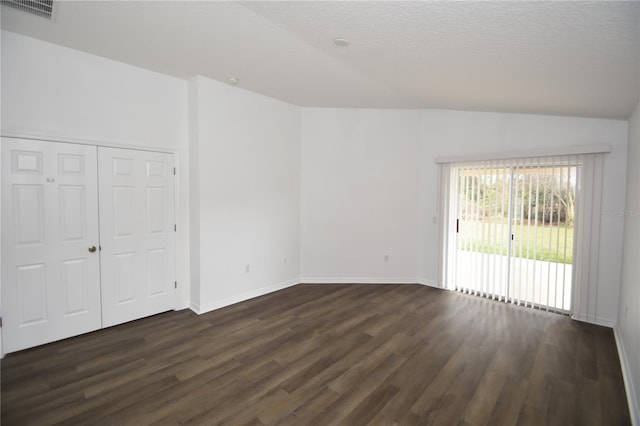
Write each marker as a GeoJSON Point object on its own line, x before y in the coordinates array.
{"type": "Point", "coordinates": [457, 226]}
{"type": "Point", "coordinates": [0, 322]}
{"type": "Point", "coordinates": [175, 228]}
{"type": "Point", "coordinates": [174, 171]}
{"type": "Point", "coordinates": [175, 284]}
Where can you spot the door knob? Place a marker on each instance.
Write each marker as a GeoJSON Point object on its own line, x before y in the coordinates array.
{"type": "Point", "coordinates": [92, 249]}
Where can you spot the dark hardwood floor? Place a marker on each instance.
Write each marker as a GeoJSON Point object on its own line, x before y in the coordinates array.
{"type": "Point", "coordinates": [324, 355]}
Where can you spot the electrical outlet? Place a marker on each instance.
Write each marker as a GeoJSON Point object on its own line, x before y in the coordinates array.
{"type": "Point", "coordinates": [247, 268]}
{"type": "Point", "coordinates": [285, 260]}
{"type": "Point", "coordinates": [386, 257]}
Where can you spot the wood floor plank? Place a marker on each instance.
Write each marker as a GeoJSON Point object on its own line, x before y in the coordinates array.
{"type": "Point", "coordinates": [326, 354]}
{"type": "Point", "coordinates": [371, 405]}
{"type": "Point", "coordinates": [485, 397]}
{"type": "Point", "coordinates": [509, 402]}
{"type": "Point", "coordinates": [309, 410]}
{"type": "Point", "coordinates": [354, 397]}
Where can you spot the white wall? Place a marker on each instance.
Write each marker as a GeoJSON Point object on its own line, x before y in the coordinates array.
{"type": "Point", "coordinates": [360, 195]}
{"type": "Point", "coordinates": [247, 195]}
{"type": "Point", "coordinates": [369, 185]}
{"type": "Point", "coordinates": [456, 132]}
{"type": "Point", "coordinates": [368, 178]}
{"type": "Point", "coordinates": [194, 194]}
{"type": "Point", "coordinates": [1, 350]}
{"type": "Point", "coordinates": [52, 92]}
{"type": "Point", "coordinates": [628, 327]}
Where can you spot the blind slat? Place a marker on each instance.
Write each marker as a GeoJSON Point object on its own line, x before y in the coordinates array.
{"type": "Point", "coordinates": [514, 223]}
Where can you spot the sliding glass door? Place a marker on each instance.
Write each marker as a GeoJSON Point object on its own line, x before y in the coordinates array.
{"type": "Point", "coordinates": [512, 233]}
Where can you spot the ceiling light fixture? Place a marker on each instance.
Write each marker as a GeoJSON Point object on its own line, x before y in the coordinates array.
{"type": "Point", "coordinates": [342, 42]}
{"type": "Point", "coordinates": [233, 81]}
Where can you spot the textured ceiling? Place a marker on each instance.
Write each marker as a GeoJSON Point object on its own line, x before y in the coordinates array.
{"type": "Point", "coordinates": [562, 58]}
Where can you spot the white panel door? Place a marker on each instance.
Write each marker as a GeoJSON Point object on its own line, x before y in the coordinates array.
{"type": "Point", "coordinates": [50, 268]}
{"type": "Point", "coordinates": [136, 234]}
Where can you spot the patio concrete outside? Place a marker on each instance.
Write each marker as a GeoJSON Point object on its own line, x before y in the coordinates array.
{"type": "Point", "coordinates": [530, 281]}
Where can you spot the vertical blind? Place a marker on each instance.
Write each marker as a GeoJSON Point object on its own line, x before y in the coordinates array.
{"type": "Point", "coordinates": [522, 230]}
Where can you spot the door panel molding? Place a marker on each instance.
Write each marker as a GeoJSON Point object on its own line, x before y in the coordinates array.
{"type": "Point", "coordinates": [138, 240]}
{"type": "Point", "coordinates": [50, 282]}
{"type": "Point", "coordinates": [52, 287]}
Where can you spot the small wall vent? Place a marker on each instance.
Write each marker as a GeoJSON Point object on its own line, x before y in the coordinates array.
{"type": "Point", "coordinates": [43, 8]}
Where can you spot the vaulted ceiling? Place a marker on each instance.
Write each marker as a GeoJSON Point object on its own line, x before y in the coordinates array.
{"type": "Point", "coordinates": [563, 58]}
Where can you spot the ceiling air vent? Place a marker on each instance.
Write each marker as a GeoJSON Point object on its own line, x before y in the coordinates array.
{"type": "Point", "coordinates": [42, 8]}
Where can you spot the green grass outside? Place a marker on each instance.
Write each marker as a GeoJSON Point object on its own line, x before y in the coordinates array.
{"type": "Point", "coordinates": [542, 242]}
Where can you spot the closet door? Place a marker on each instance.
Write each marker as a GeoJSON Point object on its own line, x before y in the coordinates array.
{"type": "Point", "coordinates": [50, 264]}
{"type": "Point", "coordinates": [137, 234]}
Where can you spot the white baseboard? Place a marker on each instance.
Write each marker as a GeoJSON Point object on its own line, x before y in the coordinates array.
{"type": "Point", "coordinates": [429, 283]}
{"type": "Point", "coordinates": [201, 309]}
{"type": "Point", "coordinates": [632, 400]}
{"type": "Point", "coordinates": [208, 307]}
{"type": "Point", "coordinates": [359, 280]}
{"type": "Point", "coordinates": [605, 322]}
